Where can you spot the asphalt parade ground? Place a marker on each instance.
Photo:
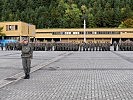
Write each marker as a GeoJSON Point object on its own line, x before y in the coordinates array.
{"type": "Point", "coordinates": [68, 75]}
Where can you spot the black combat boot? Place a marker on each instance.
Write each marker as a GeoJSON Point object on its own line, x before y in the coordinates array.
{"type": "Point", "coordinates": [27, 76]}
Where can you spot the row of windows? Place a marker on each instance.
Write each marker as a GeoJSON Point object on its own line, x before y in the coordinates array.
{"type": "Point", "coordinates": [101, 32]}
{"type": "Point", "coordinates": [11, 27]}
{"type": "Point", "coordinates": [129, 32]}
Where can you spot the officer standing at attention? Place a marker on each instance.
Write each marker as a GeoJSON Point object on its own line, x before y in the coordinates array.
{"type": "Point", "coordinates": [26, 57]}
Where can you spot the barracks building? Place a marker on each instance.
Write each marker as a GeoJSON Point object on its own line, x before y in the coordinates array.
{"type": "Point", "coordinates": [18, 30]}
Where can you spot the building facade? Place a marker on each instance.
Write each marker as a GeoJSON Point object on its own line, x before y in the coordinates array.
{"type": "Point", "coordinates": [77, 35]}
{"type": "Point", "coordinates": [18, 30]}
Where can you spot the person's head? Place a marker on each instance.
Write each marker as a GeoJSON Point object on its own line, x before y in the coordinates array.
{"type": "Point", "coordinates": [25, 41]}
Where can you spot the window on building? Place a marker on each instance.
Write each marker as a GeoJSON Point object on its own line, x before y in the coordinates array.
{"type": "Point", "coordinates": [6, 27]}
{"type": "Point", "coordinates": [75, 32]}
{"type": "Point", "coordinates": [81, 32]}
{"type": "Point", "coordinates": [129, 32]}
{"type": "Point", "coordinates": [11, 27]}
{"type": "Point", "coordinates": [16, 27]}
{"type": "Point", "coordinates": [93, 32]}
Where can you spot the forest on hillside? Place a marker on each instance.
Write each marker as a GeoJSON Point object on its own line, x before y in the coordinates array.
{"type": "Point", "coordinates": [69, 13]}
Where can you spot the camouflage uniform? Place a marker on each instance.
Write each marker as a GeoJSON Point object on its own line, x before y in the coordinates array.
{"type": "Point", "coordinates": [26, 59]}
{"type": "Point", "coordinates": [115, 45]}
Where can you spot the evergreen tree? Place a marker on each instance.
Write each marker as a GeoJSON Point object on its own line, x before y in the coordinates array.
{"type": "Point", "coordinates": [72, 16]}
{"type": "Point", "coordinates": [1, 33]}
{"type": "Point", "coordinates": [67, 13]}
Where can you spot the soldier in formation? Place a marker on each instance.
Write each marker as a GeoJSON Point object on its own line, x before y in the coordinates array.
{"type": "Point", "coordinates": [1, 46]}
{"type": "Point", "coordinates": [115, 45]}
{"type": "Point", "coordinates": [125, 45]}
{"type": "Point", "coordinates": [74, 46]}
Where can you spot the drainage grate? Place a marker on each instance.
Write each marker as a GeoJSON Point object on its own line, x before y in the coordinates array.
{"type": "Point", "coordinates": [11, 79]}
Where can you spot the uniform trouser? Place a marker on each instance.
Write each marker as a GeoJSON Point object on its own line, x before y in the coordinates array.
{"type": "Point", "coordinates": [93, 48]}
{"type": "Point", "coordinates": [87, 48]}
{"type": "Point", "coordinates": [90, 48]}
{"type": "Point", "coordinates": [83, 48]}
{"type": "Point", "coordinates": [128, 48]}
{"type": "Point", "coordinates": [114, 48]}
{"type": "Point", "coordinates": [131, 48]}
{"type": "Point", "coordinates": [80, 48]}
{"type": "Point", "coordinates": [26, 62]}
{"type": "Point", "coordinates": [96, 48]}
{"type": "Point", "coordinates": [1, 48]}
{"type": "Point", "coordinates": [100, 48]}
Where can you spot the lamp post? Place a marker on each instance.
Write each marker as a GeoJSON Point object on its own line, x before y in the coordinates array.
{"type": "Point", "coordinates": [84, 30]}
{"type": "Point", "coordinates": [84, 16]}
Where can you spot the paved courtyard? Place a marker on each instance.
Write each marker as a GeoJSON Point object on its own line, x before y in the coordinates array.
{"type": "Point", "coordinates": [69, 76]}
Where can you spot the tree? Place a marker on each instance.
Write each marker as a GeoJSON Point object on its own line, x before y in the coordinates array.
{"type": "Point", "coordinates": [1, 28]}
{"type": "Point", "coordinates": [62, 7]}
{"type": "Point", "coordinates": [122, 25]}
{"type": "Point", "coordinates": [99, 17]}
{"type": "Point", "coordinates": [91, 21]}
{"type": "Point", "coordinates": [128, 23]}
{"type": "Point", "coordinates": [117, 17]}
{"type": "Point", "coordinates": [85, 13]}
{"type": "Point", "coordinates": [126, 12]}
{"type": "Point", "coordinates": [72, 16]}
{"type": "Point", "coordinates": [1, 8]}
{"type": "Point", "coordinates": [108, 15]}
{"type": "Point", "coordinates": [1, 33]}
{"type": "Point", "coordinates": [67, 13]}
